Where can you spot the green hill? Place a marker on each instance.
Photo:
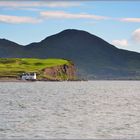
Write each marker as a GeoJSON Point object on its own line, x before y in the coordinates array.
{"type": "Point", "coordinates": [13, 67]}
{"type": "Point", "coordinates": [93, 57]}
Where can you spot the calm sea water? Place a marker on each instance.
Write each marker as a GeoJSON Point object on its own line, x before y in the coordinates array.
{"type": "Point", "coordinates": [94, 109]}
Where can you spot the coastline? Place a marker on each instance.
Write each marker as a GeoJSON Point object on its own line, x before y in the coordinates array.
{"type": "Point", "coordinates": [41, 80]}
{"type": "Point", "coordinates": [47, 80]}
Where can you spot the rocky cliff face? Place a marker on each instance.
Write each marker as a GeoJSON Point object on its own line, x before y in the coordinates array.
{"type": "Point", "coordinates": [58, 73]}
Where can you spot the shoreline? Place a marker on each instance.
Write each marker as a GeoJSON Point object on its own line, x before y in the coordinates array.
{"type": "Point", "coordinates": [43, 80]}
{"type": "Point", "coordinates": [22, 81]}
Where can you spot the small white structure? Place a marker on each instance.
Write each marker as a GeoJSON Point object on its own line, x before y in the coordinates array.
{"type": "Point", "coordinates": [28, 76]}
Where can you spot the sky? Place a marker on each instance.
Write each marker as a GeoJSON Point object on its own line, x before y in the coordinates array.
{"type": "Point", "coordinates": [117, 22]}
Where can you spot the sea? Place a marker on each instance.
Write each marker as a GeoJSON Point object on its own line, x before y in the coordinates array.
{"type": "Point", "coordinates": [70, 110]}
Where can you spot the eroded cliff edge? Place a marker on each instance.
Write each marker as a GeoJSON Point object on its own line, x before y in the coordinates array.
{"type": "Point", "coordinates": [45, 69]}
{"type": "Point", "coordinates": [59, 73]}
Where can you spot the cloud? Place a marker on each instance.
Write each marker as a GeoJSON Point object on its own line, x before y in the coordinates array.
{"type": "Point", "coordinates": [63, 4]}
{"type": "Point", "coordinates": [120, 43]}
{"type": "Point", "coordinates": [21, 4]}
{"type": "Point", "coordinates": [66, 15]}
{"type": "Point", "coordinates": [17, 19]}
{"type": "Point", "coordinates": [136, 35]}
{"type": "Point", "coordinates": [137, 20]}
{"type": "Point", "coordinates": [135, 38]}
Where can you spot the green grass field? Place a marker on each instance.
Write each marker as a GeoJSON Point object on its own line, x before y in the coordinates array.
{"type": "Point", "coordinates": [13, 67]}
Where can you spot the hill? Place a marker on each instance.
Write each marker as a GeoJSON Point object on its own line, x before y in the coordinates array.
{"type": "Point", "coordinates": [46, 69]}
{"type": "Point", "coordinates": [94, 58]}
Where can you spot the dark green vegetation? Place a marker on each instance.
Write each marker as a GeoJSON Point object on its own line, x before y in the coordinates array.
{"type": "Point", "coordinates": [94, 58]}
{"type": "Point", "coordinates": [13, 67]}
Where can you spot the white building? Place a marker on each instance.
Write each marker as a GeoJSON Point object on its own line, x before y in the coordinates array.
{"type": "Point", "coordinates": [28, 76]}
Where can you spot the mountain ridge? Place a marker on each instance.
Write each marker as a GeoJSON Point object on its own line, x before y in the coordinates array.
{"type": "Point", "coordinates": [94, 57]}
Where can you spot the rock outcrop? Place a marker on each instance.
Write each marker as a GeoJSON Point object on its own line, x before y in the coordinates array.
{"type": "Point", "coordinates": [60, 73]}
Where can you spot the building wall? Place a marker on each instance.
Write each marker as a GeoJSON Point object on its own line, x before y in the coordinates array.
{"type": "Point", "coordinates": [28, 77]}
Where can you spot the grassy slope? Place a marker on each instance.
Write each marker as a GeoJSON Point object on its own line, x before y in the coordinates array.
{"type": "Point", "coordinates": [12, 67]}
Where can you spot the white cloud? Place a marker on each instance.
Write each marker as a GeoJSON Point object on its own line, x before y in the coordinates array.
{"type": "Point", "coordinates": [136, 35]}
{"type": "Point", "coordinates": [137, 20]}
{"type": "Point", "coordinates": [120, 43]}
{"type": "Point", "coordinates": [17, 19]}
{"type": "Point", "coordinates": [66, 15]}
{"type": "Point", "coordinates": [63, 4]}
{"type": "Point", "coordinates": [16, 4]}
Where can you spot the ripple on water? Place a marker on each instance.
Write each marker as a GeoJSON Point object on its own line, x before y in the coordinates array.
{"type": "Point", "coordinates": [95, 109]}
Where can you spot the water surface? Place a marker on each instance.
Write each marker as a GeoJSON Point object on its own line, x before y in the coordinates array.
{"type": "Point", "coordinates": [94, 109]}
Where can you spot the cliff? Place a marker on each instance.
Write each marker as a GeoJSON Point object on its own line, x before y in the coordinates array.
{"type": "Point", "coordinates": [60, 73]}
{"type": "Point", "coordinates": [46, 69]}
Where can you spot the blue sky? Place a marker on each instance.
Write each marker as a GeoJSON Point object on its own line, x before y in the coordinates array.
{"type": "Point", "coordinates": [31, 21]}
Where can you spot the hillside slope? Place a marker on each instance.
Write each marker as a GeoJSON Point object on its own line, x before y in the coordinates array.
{"type": "Point", "coordinates": [46, 69]}
{"type": "Point", "coordinates": [93, 57]}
